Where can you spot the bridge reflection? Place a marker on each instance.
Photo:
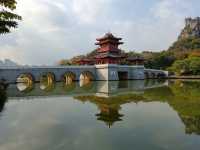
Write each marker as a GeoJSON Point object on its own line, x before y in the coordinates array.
{"type": "Point", "coordinates": [84, 87]}
{"type": "Point", "coordinates": [182, 96]}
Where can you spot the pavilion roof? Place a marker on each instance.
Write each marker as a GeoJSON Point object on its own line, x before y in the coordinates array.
{"type": "Point", "coordinates": [108, 41]}
{"type": "Point", "coordinates": [108, 36]}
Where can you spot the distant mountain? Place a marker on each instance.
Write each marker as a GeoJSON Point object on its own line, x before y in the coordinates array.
{"type": "Point", "coordinates": [8, 63]}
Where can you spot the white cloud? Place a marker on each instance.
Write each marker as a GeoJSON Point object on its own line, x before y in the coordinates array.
{"type": "Point", "coordinates": [52, 30]}
{"type": "Point", "coordinates": [89, 11]}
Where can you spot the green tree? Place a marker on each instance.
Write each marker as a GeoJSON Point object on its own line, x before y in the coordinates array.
{"type": "Point", "coordinates": [190, 66]}
{"type": "Point", "coordinates": [180, 67]}
{"type": "Point", "coordinates": [186, 44]}
{"type": "Point", "coordinates": [194, 63]}
{"type": "Point", "coordinates": [160, 60]}
{"type": "Point", "coordinates": [8, 19]}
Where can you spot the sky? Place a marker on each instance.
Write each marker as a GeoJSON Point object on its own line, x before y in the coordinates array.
{"type": "Point", "coordinates": [55, 30]}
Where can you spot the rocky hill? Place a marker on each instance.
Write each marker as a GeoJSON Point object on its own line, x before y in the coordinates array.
{"type": "Point", "coordinates": [191, 29]}
{"type": "Point", "coordinates": [189, 39]}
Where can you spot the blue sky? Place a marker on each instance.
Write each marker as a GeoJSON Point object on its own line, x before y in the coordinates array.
{"type": "Point", "coordinates": [53, 30]}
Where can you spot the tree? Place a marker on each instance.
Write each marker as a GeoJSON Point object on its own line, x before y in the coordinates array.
{"type": "Point", "coordinates": [189, 66]}
{"type": "Point", "coordinates": [160, 60]}
{"type": "Point", "coordinates": [180, 67]}
{"type": "Point", "coordinates": [8, 19]}
{"type": "Point", "coordinates": [195, 65]}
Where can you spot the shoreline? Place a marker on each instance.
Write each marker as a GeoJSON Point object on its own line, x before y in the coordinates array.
{"type": "Point", "coordinates": [183, 77]}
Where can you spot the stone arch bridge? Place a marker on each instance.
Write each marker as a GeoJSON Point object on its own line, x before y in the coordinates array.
{"type": "Point", "coordinates": [154, 74]}
{"type": "Point", "coordinates": [75, 73]}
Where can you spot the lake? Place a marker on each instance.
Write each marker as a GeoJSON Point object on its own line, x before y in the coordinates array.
{"type": "Point", "coordinates": [123, 115]}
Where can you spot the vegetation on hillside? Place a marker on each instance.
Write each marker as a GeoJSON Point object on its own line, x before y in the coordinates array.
{"type": "Point", "coordinates": [186, 45]}
{"type": "Point", "coordinates": [188, 66]}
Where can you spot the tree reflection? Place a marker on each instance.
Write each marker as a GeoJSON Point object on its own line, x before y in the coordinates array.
{"type": "Point", "coordinates": [3, 99]}
{"type": "Point", "coordinates": [186, 102]}
{"type": "Point", "coordinates": [192, 124]}
{"type": "Point", "coordinates": [184, 98]}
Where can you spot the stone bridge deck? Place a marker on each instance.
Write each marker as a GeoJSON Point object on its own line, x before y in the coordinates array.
{"type": "Point", "coordinates": [97, 72]}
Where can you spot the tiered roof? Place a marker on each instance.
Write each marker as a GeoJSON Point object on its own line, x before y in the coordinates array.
{"type": "Point", "coordinates": [108, 38]}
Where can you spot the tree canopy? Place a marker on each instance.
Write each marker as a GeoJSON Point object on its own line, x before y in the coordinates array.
{"type": "Point", "coordinates": [8, 19]}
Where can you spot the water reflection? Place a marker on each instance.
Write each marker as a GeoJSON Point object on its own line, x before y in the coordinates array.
{"type": "Point", "coordinates": [47, 82]}
{"type": "Point", "coordinates": [25, 87]}
{"type": "Point", "coordinates": [109, 114]}
{"type": "Point", "coordinates": [153, 114]}
{"type": "Point", "coordinates": [69, 86]}
{"type": "Point", "coordinates": [84, 87]}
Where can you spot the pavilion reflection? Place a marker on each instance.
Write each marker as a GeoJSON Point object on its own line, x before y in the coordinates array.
{"type": "Point", "coordinates": [109, 114]}
{"type": "Point", "coordinates": [109, 106]}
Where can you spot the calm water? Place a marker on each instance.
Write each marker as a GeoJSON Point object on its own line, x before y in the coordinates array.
{"type": "Point", "coordinates": [139, 115]}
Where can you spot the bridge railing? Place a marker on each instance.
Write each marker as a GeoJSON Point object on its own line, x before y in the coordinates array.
{"type": "Point", "coordinates": [44, 67]}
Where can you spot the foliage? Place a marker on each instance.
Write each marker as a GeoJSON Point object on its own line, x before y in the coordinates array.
{"type": "Point", "coordinates": [195, 65]}
{"type": "Point", "coordinates": [72, 61]}
{"type": "Point", "coordinates": [186, 44]}
{"type": "Point", "coordinates": [188, 66]}
{"type": "Point", "coordinates": [129, 54]}
{"type": "Point", "coordinates": [160, 60]}
{"type": "Point", "coordinates": [64, 62]}
{"type": "Point", "coordinates": [92, 54]}
{"type": "Point", "coordinates": [195, 53]}
{"type": "Point", "coordinates": [8, 19]}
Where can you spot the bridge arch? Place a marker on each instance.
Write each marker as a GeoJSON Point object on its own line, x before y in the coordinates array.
{"type": "Point", "coordinates": [68, 77]}
{"type": "Point", "coordinates": [161, 75]}
{"type": "Point", "coordinates": [87, 75]}
{"type": "Point", "coordinates": [24, 87]}
{"type": "Point", "coordinates": [153, 75]}
{"type": "Point", "coordinates": [47, 77]}
{"type": "Point", "coordinates": [85, 78]}
{"type": "Point", "coordinates": [146, 74]}
{"type": "Point", "coordinates": [25, 77]}
{"type": "Point", "coordinates": [47, 81]}
{"type": "Point", "coordinates": [25, 82]}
